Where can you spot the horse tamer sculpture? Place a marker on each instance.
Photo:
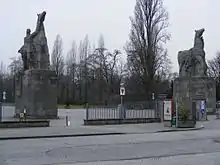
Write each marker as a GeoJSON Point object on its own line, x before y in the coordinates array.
{"type": "Point", "coordinates": [192, 62]}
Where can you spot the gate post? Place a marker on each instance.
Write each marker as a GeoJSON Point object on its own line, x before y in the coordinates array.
{"type": "Point", "coordinates": [87, 111]}
{"type": "Point", "coordinates": [122, 107]}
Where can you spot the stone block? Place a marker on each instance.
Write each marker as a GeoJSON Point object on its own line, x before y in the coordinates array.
{"type": "Point", "coordinates": [24, 124]}
{"type": "Point", "coordinates": [195, 88]}
{"type": "Point", "coordinates": [38, 94]}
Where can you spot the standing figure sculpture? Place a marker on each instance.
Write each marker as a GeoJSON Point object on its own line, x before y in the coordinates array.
{"type": "Point", "coordinates": [35, 54]}
{"type": "Point", "coordinates": [23, 50]}
{"type": "Point", "coordinates": [192, 62]}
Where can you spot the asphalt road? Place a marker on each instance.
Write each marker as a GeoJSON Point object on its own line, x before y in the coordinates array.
{"type": "Point", "coordinates": [182, 148]}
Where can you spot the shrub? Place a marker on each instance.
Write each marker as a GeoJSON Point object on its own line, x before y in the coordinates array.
{"type": "Point", "coordinates": [183, 112]}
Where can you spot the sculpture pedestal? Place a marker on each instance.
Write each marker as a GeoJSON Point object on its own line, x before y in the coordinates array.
{"type": "Point", "coordinates": [195, 89]}
{"type": "Point", "coordinates": [187, 124]}
{"type": "Point", "coordinates": [36, 91]}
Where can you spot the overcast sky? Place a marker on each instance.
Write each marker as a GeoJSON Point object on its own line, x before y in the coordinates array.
{"type": "Point", "coordinates": [73, 19]}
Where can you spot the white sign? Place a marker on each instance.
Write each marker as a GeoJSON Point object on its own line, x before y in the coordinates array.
{"type": "Point", "coordinates": [68, 123]}
{"type": "Point", "coordinates": [122, 91]}
{"type": "Point", "coordinates": [152, 96]}
{"type": "Point", "coordinates": [202, 106]}
{"type": "Point", "coordinates": [4, 95]}
{"type": "Point", "coordinates": [167, 111]}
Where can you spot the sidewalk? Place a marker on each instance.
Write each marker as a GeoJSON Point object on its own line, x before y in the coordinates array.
{"type": "Point", "coordinates": [53, 132]}
{"type": "Point", "coordinates": [77, 128]}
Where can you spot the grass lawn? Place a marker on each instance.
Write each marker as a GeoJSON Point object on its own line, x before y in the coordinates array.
{"type": "Point", "coordinates": [70, 107]}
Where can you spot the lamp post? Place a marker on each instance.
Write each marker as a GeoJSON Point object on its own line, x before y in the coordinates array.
{"type": "Point", "coordinates": [122, 92]}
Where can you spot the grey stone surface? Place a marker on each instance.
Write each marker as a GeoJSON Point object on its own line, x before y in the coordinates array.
{"type": "Point", "coordinates": [196, 88]}
{"type": "Point", "coordinates": [39, 94]}
{"type": "Point", "coordinates": [192, 62]}
{"type": "Point", "coordinates": [192, 148]}
{"type": "Point", "coordinates": [35, 87]}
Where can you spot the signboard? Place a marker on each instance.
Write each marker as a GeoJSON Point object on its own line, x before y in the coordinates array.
{"type": "Point", "coordinates": [153, 96]}
{"type": "Point", "coordinates": [167, 110]}
{"type": "Point", "coordinates": [122, 91]}
{"type": "Point", "coordinates": [4, 95]}
{"type": "Point", "coordinates": [202, 107]}
{"type": "Point", "coordinates": [203, 104]}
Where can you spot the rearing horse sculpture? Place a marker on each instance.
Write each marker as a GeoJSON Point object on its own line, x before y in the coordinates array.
{"type": "Point", "coordinates": [35, 52]}
{"type": "Point", "coordinates": [192, 62]}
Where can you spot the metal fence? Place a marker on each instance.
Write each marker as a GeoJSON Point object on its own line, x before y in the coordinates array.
{"type": "Point", "coordinates": [139, 110]}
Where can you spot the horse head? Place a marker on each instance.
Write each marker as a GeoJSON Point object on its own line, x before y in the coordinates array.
{"type": "Point", "coordinates": [41, 16]}
{"type": "Point", "coordinates": [199, 32]}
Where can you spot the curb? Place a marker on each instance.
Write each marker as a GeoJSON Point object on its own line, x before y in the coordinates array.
{"type": "Point", "coordinates": [59, 136]}
{"type": "Point", "coordinates": [181, 129]}
{"type": "Point", "coordinates": [93, 134]}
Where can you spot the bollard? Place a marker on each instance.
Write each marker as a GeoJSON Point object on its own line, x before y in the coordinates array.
{"type": "Point", "coordinates": [87, 111]}
{"type": "Point", "coordinates": [24, 114]}
{"type": "Point", "coordinates": [67, 121]}
{"type": "Point", "coordinates": [21, 117]}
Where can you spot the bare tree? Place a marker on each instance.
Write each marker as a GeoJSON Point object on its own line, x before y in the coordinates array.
{"type": "Point", "coordinates": [82, 70]}
{"type": "Point", "coordinates": [2, 77]}
{"type": "Point", "coordinates": [71, 67]}
{"type": "Point", "coordinates": [86, 52]}
{"type": "Point", "coordinates": [214, 67]}
{"type": "Point", "coordinates": [3, 70]}
{"type": "Point", "coordinates": [57, 64]}
{"type": "Point", "coordinates": [16, 65]}
{"type": "Point", "coordinates": [214, 72]}
{"type": "Point", "coordinates": [7, 76]}
{"type": "Point", "coordinates": [57, 59]}
{"type": "Point", "coordinates": [104, 65]}
{"type": "Point", "coordinates": [147, 56]}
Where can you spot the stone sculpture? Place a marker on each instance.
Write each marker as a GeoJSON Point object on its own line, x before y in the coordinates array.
{"type": "Point", "coordinates": [192, 62]}
{"type": "Point", "coordinates": [35, 54]}
{"type": "Point", "coordinates": [193, 85]}
{"type": "Point", "coordinates": [36, 85]}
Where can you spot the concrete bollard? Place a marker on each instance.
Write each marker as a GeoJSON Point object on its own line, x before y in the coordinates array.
{"type": "Point", "coordinates": [67, 121]}
{"type": "Point", "coordinates": [24, 114]}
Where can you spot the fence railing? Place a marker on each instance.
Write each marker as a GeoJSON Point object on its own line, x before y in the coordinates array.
{"type": "Point", "coordinates": [138, 111]}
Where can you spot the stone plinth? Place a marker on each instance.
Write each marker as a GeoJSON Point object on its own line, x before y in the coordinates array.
{"type": "Point", "coordinates": [36, 91]}
{"type": "Point", "coordinates": [187, 89]}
